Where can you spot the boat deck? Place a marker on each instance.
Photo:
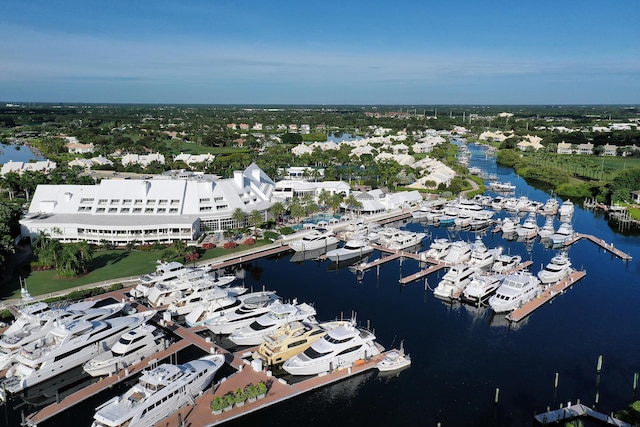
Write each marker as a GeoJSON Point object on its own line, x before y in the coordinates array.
{"type": "Point", "coordinates": [551, 292]}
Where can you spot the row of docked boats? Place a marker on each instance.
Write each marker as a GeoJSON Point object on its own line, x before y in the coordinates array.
{"type": "Point", "coordinates": [494, 279]}
{"type": "Point", "coordinates": [529, 229]}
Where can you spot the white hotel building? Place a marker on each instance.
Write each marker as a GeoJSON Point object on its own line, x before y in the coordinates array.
{"type": "Point", "coordinates": [163, 209]}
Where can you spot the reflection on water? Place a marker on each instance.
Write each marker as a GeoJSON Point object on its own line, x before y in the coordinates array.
{"type": "Point", "coordinates": [301, 256]}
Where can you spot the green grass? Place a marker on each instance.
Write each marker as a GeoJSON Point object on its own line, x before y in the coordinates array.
{"type": "Point", "coordinates": [192, 148]}
{"type": "Point", "coordinates": [106, 265]}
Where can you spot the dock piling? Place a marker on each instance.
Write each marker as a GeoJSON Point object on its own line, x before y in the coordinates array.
{"type": "Point", "coordinates": [599, 367]}
{"type": "Point", "coordinates": [497, 396]}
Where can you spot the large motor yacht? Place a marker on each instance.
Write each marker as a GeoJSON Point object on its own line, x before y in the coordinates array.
{"type": "Point", "coordinates": [168, 292]}
{"type": "Point", "coordinates": [529, 228]}
{"type": "Point", "coordinates": [557, 269]}
{"type": "Point", "coordinates": [354, 248]}
{"type": "Point", "coordinates": [66, 347]}
{"type": "Point", "coordinates": [438, 249]}
{"type": "Point", "coordinates": [405, 239]}
{"type": "Point", "coordinates": [454, 281]}
{"type": "Point", "coordinates": [515, 290]}
{"type": "Point", "coordinates": [505, 263]}
{"type": "Point", "coordinates": [460, 251]}
{"type": "Point", "coordinates": [340, 348]}
{"type": "Point", "coordinates": [158, 393]}
{"type": "Point", "coordinates": [482, 257]}
{"type": "Point", "coordinates": [35, 322]}
{"type": "Point", "coordinates": [565, 232]}
{"type": "Point", "coordinates": [165, 271]}
{"type": "Point", "coordinates": [319, 238]}
{"type": "Point", "coordinates": [224, 320]}
{"type": "Point", "coordinates": [566, 209]}
{"type": "Point", "coordinates": [131, 348]}
{"type": "Point", "coordinates": [481, 287]}
{"type": "Point", "coordinates": [278, 315]}
{"type": "Point", "coordinates": [293, 338]}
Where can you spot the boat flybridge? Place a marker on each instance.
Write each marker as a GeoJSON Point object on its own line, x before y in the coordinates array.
{"type": "Point", "coordinates": [65, 347]}
{"type": "Point", "coordinates": [226, 319]}
{"type": "Point", "coordinates": [166, 271]}
{"type": "Point", "coordinates": [515, 290]}
{"type": "Point", "coordinates": [438, 249]}
{"type": "Point", "coordinates": [481, 287]}
{"type": "Point", "coordinates": [460, 251]}
{"type": "Point", "coordinates": [158, 393]}
{"type": "Point", "coordinates": [557, 269]}
{"type": "Point", "coordinates": [454, 281]}
{"type": "Point", "coordinates": [505, 263]}
{"type": "Point", "coordinates": [168, 292]}
{"type": "Point", "coordinates": [481, 257]}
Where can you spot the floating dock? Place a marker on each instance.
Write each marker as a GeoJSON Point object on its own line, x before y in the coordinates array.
{"type": "Point", "coordinates": [577, 411]}
{"type": "Point", "coordinates": [547, 295]}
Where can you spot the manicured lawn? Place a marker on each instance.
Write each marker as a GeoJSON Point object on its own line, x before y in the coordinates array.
{"type": "Point", "coordinates": [106, 265]}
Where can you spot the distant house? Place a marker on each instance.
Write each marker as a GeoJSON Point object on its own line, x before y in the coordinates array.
{"type": "Point", "coordinates": [143, 160]}
{"type": "Point", "coordinates": [79, 148]}
{"type": "Point", "coordinates": [43, 166]}
{"type": "Point", "coordinates": [635, 196]}
{"type": "Point", "coordinates": [564, 148]}
{"type": "Point", "coordinates": [191, 159]}
{"type": "Point", "coordinates": [586, 148]}
{"type": "Point", "coordinates": [609, 150]}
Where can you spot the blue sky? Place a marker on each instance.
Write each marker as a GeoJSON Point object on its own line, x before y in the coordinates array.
{"type": "Point", "coordinates": [330, 52]}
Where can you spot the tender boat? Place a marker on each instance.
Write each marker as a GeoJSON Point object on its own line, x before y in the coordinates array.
{"type": "Point", "coordinates": [278, 315]}
{"type": "Point", "coordinates": [158, 393]}
{"type": "Point", "coordinates": [291, 339]}
{"type": "Point", "coordinates": [505, 263]}
{"type": "Point", "coordinates": [460, 251]}
{"type": "Point", "coordinates": [224, 320]}
{"type": "Point", "coordinates": [339, 348]}
{"type": "Point", "coordinates": [35, 322]}
{"type": "Point", "coordinates": [454, 281]}
{"type": "Point", "coordinates": [132, 347]}
{"type": "Point", "coordinates": [354, 248]}
{"type": "Point", "coordinates": [515, 290]}
{"type": "Point", "coordinates": [565, 232]}
{"type": "Point", "coordinates": [319, 238]}
{"type": "Point", "coordinates": [557, 269]}
{"type": "Point", "coordinates": [66, 347]}
{"type": "Point", "coordinates": [394, 360]}
{"type": "Point", "coordinates": [481, 287]}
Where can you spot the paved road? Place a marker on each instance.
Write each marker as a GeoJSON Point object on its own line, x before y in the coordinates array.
{"type": "Point", "coordinates": [474, 187]}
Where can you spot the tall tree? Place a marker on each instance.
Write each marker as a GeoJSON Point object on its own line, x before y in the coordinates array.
{"type": "Point", "coordinates": [255, 218]}
{"type": "Point", "coordinates": [238, 216]}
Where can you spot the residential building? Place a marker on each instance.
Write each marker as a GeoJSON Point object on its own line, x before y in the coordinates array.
{"type": "Point", "coordinates": [162, 209]}
{"type": "Point", "coordinates": [43, 166]}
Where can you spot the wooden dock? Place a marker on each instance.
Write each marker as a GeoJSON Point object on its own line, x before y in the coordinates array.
{"type": "Point", "coordinates": [577, 411]}
{"type": "Point", "coordinates": [600, 242]}
{"type": "Point", "coordinates": [547, 295]}
{"type": "Point", "coordinates": [216, 265]}
{"type": "Point", "coordinates": [422, 273]}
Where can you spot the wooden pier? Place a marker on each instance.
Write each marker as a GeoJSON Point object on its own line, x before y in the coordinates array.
{"type": "Point", "coordinates": [577, 411]}
{"type": "Point", "coordinates": [547, 295]}
{"type": "Point", "coordinates": [422, 273]}
{"type": "Point", "coordinates": [600, 242]}
{"type": "Point", "coordinates": [234, 260]}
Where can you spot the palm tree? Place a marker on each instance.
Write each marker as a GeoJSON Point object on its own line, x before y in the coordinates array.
{"type": "Point", "coordinates": [277, 209]}
{"type": "Point", "coordinates": [353, 203]}
{"type": "Point", "coordinates": [296, 209]}
{"type": "Point", "coordinates": [238, 216]}
{"type": "Point", "coordinates": [324, 197]}
{"type": "Point", "coordinates": [255, 218]}
{"type": "Point", "coordinates": [335, 201]}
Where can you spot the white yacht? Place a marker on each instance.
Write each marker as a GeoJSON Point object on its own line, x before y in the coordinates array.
{"type": "Point", "coordinates": [566, 209]}
{"type": "Point", "coordinates": [132, 347]}
{"type": "Point", "coordinates": [168, 292]}
{"type": "Point", "coordinates": [319, 238]}
{"type": "Point", "coordinates": [550, 207]}
{"type": "Point", "coordinates": [481, 287]}
{"type": "Point", "coordinates": [66, 347]}
{"type": "Point", "coordinates": [515, 290]}
{"type": "Point", "coordinates": [504, 263]}
{"type": "Point", "coordinates": [165, 271]}
{"type": "Point", "coordinates": [509, 225]}
{"type": "Point", "coordinates": [460, 251]}
{"type": "Point", "coordinates": [354, 248]}
{"type": "Point", "coordinates": [454, 281]}
{"type": "Point", "coordinates": [158, 393]}
{"type": "Point", "coordinates": [223, 317]}
{"type": "Point", "coordinates": [557, 269]}
{"type": "Point", "coordinates": [482, 257]}
{"type": "Point", "coordinates": [340, 348]}
{"type": "Point", "coordinates": [185, 302]}
{"type": "Point", "coordinates": [405, 239]}
{"type": "Point", "coordinates": [547, 229]}
{"type": "Point", "coordinates": [529, 228]}
{"type": "Point", "coordinates": [565, 232]}
{"type": "Point", "coordinates": [278, 315]}
{"type": "Point", "coordinates": [502, 187]}
{"type": "Point", "coordinates": [35, 321]}
{"type": "Point", "coordinates": [394, 360]}
{"type": "Point", "coordinates": [438, 249]}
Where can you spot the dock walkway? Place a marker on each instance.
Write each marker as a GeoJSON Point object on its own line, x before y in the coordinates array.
{"type": "Point", "coordinates": [520, 313]}
{"type": "Point", "coordinates": [600, 242]}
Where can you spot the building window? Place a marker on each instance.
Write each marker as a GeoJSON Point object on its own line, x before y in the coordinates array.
{"type": "Point", "coordinates": [205, 200]}
{"type": "Point", "coordinates": [126, 202]}
{"type": "Point", "coordinates": [173, 210]}
{"type": "Point", "coordinates": [86, 200]}
{"type": "Point", "coordinates": [124, 210]}
{"type": "Point", "coordinates": [148, 210]}
{"type": "Point", "coordinates": [102, 201]}
{"type": "Point", "coordinates": [175, 202]}
{"type": "Point", "coordinates": [113, 210]}
{"type": "Point", "coordinates": [162, 210]}
{"type": "Point", "coordinates": [151, 202]}
{"type": "Point", "coordinates": [163, 202]}
{"type": "Point", "coordinates": [137, 210]}
{"type": "Point", "coordinates": [100, 210]}
{"type": "Point", "coordinates": [115, 201]}
{"type": "Point", "coordinates": [138, 201]}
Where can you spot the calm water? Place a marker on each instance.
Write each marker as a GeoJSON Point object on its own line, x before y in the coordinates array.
{"type": "Point", "coordinates": [17, 153]}
{"type": "Point", "coordinates": [461, 354]}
